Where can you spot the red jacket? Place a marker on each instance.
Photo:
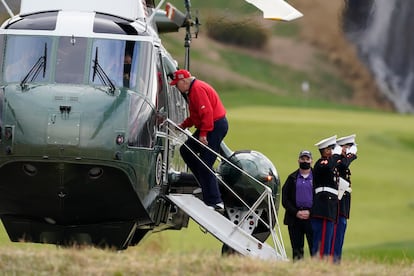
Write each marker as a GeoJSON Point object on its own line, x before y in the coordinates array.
{"type": "Point", "coordinates": [205, 107]}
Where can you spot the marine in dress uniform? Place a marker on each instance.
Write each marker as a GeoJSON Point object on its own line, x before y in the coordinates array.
{"type": "Point", "coordinates": [324, 211]}
{"type": "Point", "coordinates": [349, 150]}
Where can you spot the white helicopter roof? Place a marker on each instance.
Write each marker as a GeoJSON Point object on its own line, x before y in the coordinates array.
{"type": "Point", "coordinates": [130, 9]}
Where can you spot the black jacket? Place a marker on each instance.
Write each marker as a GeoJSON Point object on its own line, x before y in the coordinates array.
{"type": "Point", "coordinates": [325, 204]}
{"type": "Point", "coordinates": [289, 198]}
{"type": "Point", "coordinates": [342, 166]}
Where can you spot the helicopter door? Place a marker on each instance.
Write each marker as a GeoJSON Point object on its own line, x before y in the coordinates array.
{"type": "Point", "coordinates": [161, 99]}
{"type": "Point", "coordinates": [168, 104]}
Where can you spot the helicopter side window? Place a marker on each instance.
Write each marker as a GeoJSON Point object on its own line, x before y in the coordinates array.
{"type": "Point", "coordinates": [132, 49]}
{"type": "Point", "coordinates": [70, 62]}
{"type": "Point", "coordinates": [1, 90]}
{"type": "Point", "coordinates": [127, 69]}
{"type": "Point", "coordinates": [141, 62]}
{"type": "Point", "coordinates": [26, 58]}
{"type": "Point", "coordinates": [141, 123]}
{"type": "Point", "coordinates": [161, 100]}
{"type": "Point", "coordinates": [1, 56]}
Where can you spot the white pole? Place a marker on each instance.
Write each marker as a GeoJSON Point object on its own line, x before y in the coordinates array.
{"type": "Point", "coordinates": [7, 8]}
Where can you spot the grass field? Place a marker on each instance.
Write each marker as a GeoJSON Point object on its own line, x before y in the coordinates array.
{"type": "Point", "coordinates": [379, 240]}
{"type": "Point", "coordinates": [382, 212]}
{"type": "Point", "coordinates": [383, 197]}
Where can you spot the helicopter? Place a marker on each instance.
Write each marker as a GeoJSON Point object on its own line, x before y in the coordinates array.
{"type": "Point", "coordinates": [87, 151]}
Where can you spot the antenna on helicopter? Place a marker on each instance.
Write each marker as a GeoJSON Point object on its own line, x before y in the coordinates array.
{"type": "Point", "coordinates": [184, 20]}
{"type": "Point", "coordinates": [188, 24]}
{"type": "Point", "coordinates": [187, 40]}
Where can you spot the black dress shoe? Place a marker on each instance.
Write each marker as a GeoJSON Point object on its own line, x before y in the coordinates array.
{"type": "Point", "coordinates": [219, 207]}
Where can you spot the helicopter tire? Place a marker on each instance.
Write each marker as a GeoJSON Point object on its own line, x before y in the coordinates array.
{"type": "Point", "coordinates": [228, 251]}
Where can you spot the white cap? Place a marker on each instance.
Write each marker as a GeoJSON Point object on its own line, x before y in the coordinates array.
{"type": "Point", "coordinates": [331, 141]}
{"type": "Point", "coordinates": [346, 140]}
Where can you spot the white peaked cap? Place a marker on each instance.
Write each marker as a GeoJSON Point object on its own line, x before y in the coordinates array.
{"type": "Point", "coordinates": [331, 141]}
{"type": "Point", "coordinates": [346, 140]}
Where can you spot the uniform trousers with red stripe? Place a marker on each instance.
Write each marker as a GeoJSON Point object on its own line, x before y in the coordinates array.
{"type": "Point", "coordinates": [338, 238]}
{"type": "Point", "coordinates": [323, 230]}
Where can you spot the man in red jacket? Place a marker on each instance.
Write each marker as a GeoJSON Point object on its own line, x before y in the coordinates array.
{"type": "Point", "coordinates": [208, 115]}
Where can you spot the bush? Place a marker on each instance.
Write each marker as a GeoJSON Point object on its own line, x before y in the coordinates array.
{"type": "Point", "coordinates": [243, 32]}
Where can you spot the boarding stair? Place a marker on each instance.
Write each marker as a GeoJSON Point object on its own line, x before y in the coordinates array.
{"type": "Point", "coordinates": [235, 235]}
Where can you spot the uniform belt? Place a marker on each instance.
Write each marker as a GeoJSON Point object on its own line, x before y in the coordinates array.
{"type": "Point", "coordinates": [326, 189]}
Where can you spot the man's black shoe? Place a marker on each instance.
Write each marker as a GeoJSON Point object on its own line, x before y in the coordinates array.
{"type": "Point", "coordinates": [219, 207]}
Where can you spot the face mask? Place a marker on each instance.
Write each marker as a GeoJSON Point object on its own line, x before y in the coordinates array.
{"type": "Point", "coordinates": [304, 165]}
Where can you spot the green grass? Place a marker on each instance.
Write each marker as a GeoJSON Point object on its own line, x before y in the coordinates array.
{"type": "Point", "coordinates": [280, 125]}
{"type": "Point", "coordinates": [383, 197]}
{"type": "Point", "coordinates": [326, 88]}
{"type": "Point", "coordinates": [236, 96]}
{"type": "Point", "coordinates": [381, 223]}
{"type": "Point", "coordinates": [286, 30]}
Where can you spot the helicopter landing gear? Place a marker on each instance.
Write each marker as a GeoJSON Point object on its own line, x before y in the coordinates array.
{"type": "Point", "coordinates": [228, 251]}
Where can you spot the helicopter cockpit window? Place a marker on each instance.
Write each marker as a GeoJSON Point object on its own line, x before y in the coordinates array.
{"type": "Point", "coordinates": [27, 59]}
{"type": "Point", "coordinates": [105, 23]}
{"type": "Point", "coordinates": [108, 55]}
{"type": "Point", "coordinates": [38, 21]}
{"type": "Point", "coordinates": [121, 63]}
{"type": "Point", "coordinates": [70, 61]}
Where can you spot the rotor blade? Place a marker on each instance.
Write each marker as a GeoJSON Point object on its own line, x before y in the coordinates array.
{"type": "Point", "coordinates": [276, 9]}
{"type": "Point", "coordinates": [175, 15]}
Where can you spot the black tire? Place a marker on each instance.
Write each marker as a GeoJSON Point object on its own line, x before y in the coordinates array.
{"type": "Point", "coordinates": [228, 251]}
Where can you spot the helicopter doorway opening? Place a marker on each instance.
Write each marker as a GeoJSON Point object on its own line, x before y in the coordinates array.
{"type": "Point", "coordinates": [247, 208]}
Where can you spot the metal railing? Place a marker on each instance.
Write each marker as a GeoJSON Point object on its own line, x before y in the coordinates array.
{"type": "Point", "coordinates": [174, 133]}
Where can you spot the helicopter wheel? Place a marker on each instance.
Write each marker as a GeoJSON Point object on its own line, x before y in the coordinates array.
{"type": "Point", "coordinates": [228, 251]}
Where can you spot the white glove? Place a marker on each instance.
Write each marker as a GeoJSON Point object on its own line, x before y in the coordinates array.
{"type": "Point", "coordinates": [352, 150]}
{"type": "Point", "coordinates": [337, 149]}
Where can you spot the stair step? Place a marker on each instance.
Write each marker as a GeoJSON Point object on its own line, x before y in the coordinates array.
{"type": "Point", "coordinates": [223, 229]}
